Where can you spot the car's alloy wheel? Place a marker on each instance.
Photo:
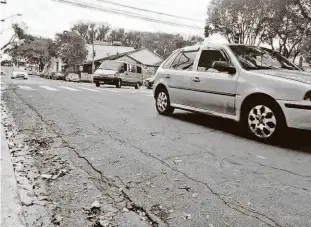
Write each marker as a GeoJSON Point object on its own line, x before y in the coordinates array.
{"type": "Point", "coordinates": [163, 103]}
{"type": "Point", "coordinates": [262, 121]}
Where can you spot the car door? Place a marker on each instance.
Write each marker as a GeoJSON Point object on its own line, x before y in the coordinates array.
{"type": "Point", "coordinates": [214, 90]}
{"type": "Point", "coordinates": [124, 72]}
{"type": "Point", "coordinates": [131, 74]}
{"type": "Point", "coordinates": [179, 75]}
{"type": "Point", "coordinates": [138, 75]}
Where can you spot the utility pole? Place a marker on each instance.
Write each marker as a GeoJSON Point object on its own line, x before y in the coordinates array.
{"type": "Point", "coordinates": [93, 55]}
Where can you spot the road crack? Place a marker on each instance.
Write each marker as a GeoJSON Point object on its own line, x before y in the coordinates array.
{"type": "Point", "coordinates": [134, 206]}
{"type": "Point", "coordinates": [280, 169]}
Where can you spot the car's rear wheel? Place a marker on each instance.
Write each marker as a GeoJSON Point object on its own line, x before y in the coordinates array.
{"type": "Point", "coordinates": [163, 103]}
{"type": "Point", "coordinates": [137, 86]}
{"type": "Point", "coordinates": [119, 83]}
{"type": "Point", "coordinates": [97, 84]}
{"type": "Point", "coordinates": [263, 120]}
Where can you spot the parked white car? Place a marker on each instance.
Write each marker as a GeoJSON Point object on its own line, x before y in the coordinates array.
{"type": "Point", "coordinates": [72, 77]}
{"type": "Point", "coordinates": [19, 73]}
{"type": "Point", "coordinates": [253, 85]}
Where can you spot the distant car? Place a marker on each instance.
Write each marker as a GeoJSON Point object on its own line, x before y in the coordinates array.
{"type": "Point", "coordinates": [47, 75]}
{"type": "Point", "coordinates": [19, 73]}
{"type": "Point", "coordinates": [118, 73]}
{"type": "Point", "coordinates": [73, 77]}
{"type": "Point", "coordinates": [58, 76]}
{"type": "Point", "coordinates": [34, 73]}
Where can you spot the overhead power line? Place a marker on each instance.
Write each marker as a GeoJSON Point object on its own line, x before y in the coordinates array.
{"type": "Point", "coordinates": [125, 13]}
{"type": "Point", "coordinates": [149, 11]}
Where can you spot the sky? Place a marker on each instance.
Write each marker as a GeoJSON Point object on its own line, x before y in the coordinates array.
{"type": "Point", "coordinates": [46, 17]}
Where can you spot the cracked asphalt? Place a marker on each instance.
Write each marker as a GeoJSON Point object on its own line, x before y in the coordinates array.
{"type": "Point", "coordinates": [200, 169]}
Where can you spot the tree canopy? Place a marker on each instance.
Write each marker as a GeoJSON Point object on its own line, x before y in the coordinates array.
{"type": "Point", "coordinates": [282, 24]}
{"type": "Point", "coordinates": [70, 48]}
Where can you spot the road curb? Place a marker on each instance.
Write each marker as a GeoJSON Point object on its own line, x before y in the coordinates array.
{"type": "Point", "coordinates": [11, 208]}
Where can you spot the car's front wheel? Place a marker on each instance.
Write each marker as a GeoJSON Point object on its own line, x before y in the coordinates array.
{"type": "Point", "coordinates": [119, 83]}
{"type": "Point", "coordinates": [137, 86]}
{"type": "Point", "coordinates": [163, 104]}
{"type": "Point", "coordinates": [97, 84]}
{"type": "Point", "coordinates": [264, 120]}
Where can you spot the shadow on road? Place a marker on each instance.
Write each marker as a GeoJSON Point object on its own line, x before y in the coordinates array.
{"type": "Point", "coordinates": [293, 139]}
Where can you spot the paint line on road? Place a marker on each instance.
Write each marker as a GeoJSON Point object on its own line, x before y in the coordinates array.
{"type": "Point", "coordinates": [49, 88]}
{"type": "Point", "coordinates": [26, 88]}
{"type": "Point", "coordinates": [111, 90]}
{"type": "Point", "coordinates": [69, 88]}
{"type": "Point", "coordinates": [88, 89]}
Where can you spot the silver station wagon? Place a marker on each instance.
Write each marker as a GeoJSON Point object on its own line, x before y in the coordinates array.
{"type": "Point", "coordinates": [253, 85]}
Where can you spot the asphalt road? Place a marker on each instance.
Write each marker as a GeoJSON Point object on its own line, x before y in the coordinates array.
{"type": "Point", "coordinates": [199, 168]}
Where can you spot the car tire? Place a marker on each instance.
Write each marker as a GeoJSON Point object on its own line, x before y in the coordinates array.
{"type": "Point", "coordinates": [263, 120]}
{"type": "Point", "coordinates": [163, 103]}
{"type": "Point", "coordinates": [137, 86]}
{"type": "Point", "coordinates": [119, 83]}
{"type": "Point", "coordinates": [97, 84]}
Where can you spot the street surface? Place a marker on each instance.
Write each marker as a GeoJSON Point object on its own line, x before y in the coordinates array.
{"type": "Point", "coordinates": [184, 170]}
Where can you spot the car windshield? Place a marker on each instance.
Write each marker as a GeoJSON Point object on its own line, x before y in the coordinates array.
{"type": "Point", "coordinates": [19, 70]}
{"type": "Point", "coordinates": [111, 65]}
{"type": "Point", "coordinates": [256, 58]}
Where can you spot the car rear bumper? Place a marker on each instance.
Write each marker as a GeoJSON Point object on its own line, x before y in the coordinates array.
{"type": "Point", "coordinates": [105, 80]}
{"type": "Point", "coordinates": [297, 114]}
{"type": "Point", "coordinates": [19, 76]}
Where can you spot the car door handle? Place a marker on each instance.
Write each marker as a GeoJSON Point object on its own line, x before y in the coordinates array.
{"type": "Point", "coordinates": [167, 76]}
{"type": "Point", "coordinates": [196, 79]}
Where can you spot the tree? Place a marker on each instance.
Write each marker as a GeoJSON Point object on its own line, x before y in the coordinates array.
{"type": "Point", "coordinates": [279, 23]}
{"type": "Point", "coordinates": [304, 7]}
{"type": "Point", "coordinates": [102, 31]}
{"type": "Point", "coordinates": [82, 29]}
{"type": "Point", "coordinates": [88, 31]}
{"type": "Point", "coordinates": [241, 21]}
{"type": "Point", "coordinates": [19, 35]}
{"type": "Point", "coordinates": [37, 51]}
{"type": "Point", "coordinates": [133, 39]}
{"type": "Point", "coordinates": [117, 35]}
{"type": "Point", "coordinates": [71, 48]}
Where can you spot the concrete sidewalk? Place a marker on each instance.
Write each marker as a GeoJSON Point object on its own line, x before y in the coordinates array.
{"type": "Point", "coordinates": [11, 207]}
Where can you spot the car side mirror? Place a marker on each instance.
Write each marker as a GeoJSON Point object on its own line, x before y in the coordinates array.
{"type": "Point", "coordinates": [223, 66]}
{"type": "Point", "coordinates": [121, 70]}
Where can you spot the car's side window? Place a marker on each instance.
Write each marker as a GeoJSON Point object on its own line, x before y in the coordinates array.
{"type": "Point", "coordinates": [125, 67]}
{"type": "Point", "coordinates": [138, 69]}
{"type": "Point", "coordinates": [132, 68]}
{"type": "Point", "coordinates": [208, 57]}
{"type": "Point", "coordinates": [175, 62]}
{"type": "Point", "coordinates": [169, 61]}
{"type": "Point", "coordinates": [185, 61]}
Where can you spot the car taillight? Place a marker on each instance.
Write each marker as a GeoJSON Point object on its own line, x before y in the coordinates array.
{"type": "Point", "coordinates": [308, 96]}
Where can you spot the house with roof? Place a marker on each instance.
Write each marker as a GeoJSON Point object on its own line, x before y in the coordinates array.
{"type": "Point", "coordinates": [102, 51]}
{"type": "Point", "coordinates": [148, 60]}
